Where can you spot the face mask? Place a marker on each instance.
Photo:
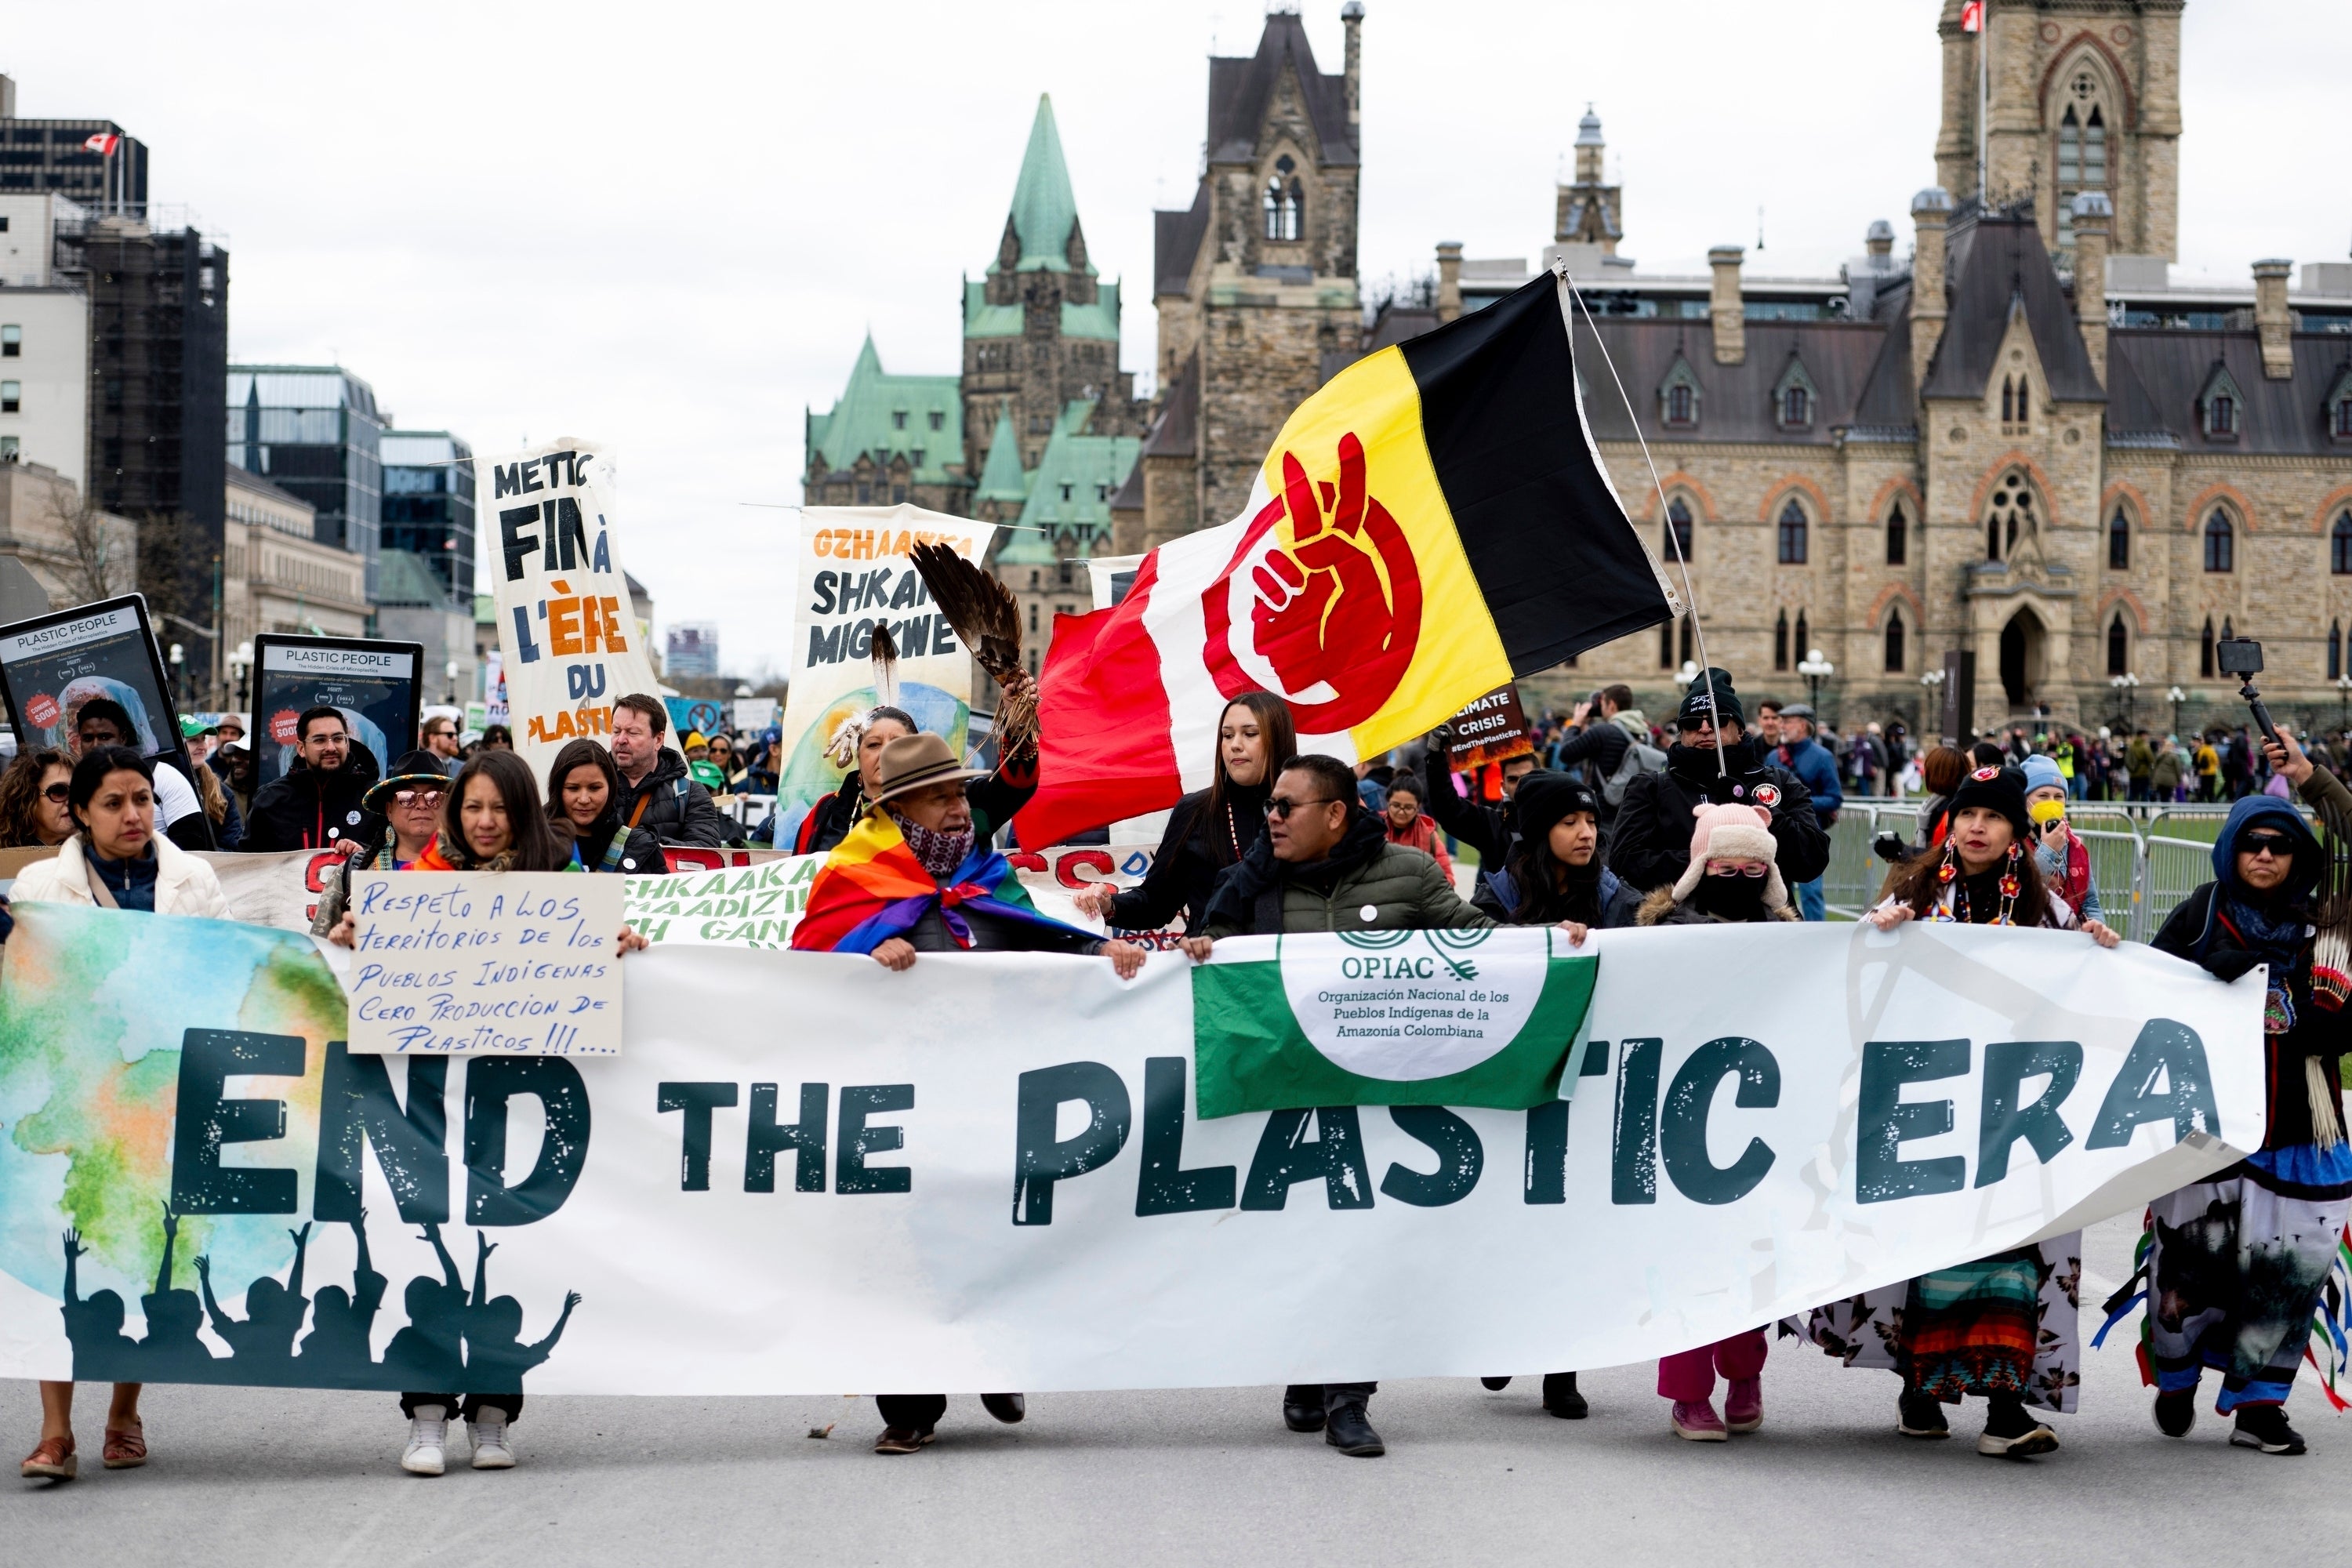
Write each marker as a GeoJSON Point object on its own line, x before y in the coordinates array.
{"type": "Point", "coordinates": [1731, 898]}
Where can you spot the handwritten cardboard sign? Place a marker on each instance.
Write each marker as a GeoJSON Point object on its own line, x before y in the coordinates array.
{"type": "Point", "coordinates": [512, 964]}
{"type": "Point", "coordinates": [1488, 730]}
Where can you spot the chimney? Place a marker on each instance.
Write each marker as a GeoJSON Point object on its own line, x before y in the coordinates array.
{"type": "Point", "coordinates": [2093, 213]}
{"type": "Point", "coordinates": [1352, 17]}
{"type": "Point", "coordinates": [1931, 209]}
{"type": "Point", "coordinates": [1879, 241]}
{"type": "Point", "coordinates": [1449, 280]}
{"type": "Point", "coordinates": [1589, 148]}
{"type": "Point", "coordinates": [1729, 316]}
{"type": "Point", "coordinates": [7, 98]}
{"type": "Point", "coordinates": [2273, 323]}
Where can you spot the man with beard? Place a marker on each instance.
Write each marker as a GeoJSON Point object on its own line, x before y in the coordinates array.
{"type": "Point", "coordinates": [1651, 845]}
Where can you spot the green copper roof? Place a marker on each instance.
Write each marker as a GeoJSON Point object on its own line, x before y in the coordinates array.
{"type": "Point", "coordinates": [1002, 479]}
{"type": "Point", "coordinates": [921, 416]}
{"type": "Point", "coordinates": [1044, 208]}
{"type": "Point", "coordinates": [1070, 493]}
{"type": "Point", "coordinates": [1099, 320]}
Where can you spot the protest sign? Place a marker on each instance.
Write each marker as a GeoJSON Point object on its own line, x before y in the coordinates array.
{"type": "Point", "coordinates": [753, 714]}
{"type": "Point", "coordinates": [569, 638]}
{"type": "Point", "coordinates": [694, 715]}
{"type": "Point", "coordinates": [516, 963]}
{"type": "Point", "coordinates": [494, 684]}
{"type": "Point", "coordinates": [1489, 730]}
{"type": "Point", "coordinates": [854, 568]}
{"type": "Point", "coordinates": [822, 1207]}
{"type": "Point", "coordinates": [375, 685]}
{"type": "Point", "coordinates": [53, 665]}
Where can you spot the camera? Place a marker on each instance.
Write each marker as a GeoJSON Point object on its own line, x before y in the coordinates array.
{"type": "Point", "coordinates": [2239, 655]}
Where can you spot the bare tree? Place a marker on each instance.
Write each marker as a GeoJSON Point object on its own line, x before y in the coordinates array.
{"type": "Point", "coordinates": [100, 557]}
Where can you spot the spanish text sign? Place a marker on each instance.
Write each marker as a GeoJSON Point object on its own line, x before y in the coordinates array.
{"type": "Point", "coordinates": [512, 964]}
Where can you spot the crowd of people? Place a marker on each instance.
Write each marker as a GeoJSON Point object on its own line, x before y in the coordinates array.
{"type": "Point", "coordinates": [1608, 822]}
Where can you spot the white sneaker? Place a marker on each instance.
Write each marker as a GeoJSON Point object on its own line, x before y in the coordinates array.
{"type": "Point", "coordinates": [492, 1451]}
{"type": "Point", "coordinates": [428, 1438]}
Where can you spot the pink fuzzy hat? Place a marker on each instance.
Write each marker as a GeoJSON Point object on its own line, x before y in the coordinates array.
{"type": "Point", "coordinates": [1734, 833]}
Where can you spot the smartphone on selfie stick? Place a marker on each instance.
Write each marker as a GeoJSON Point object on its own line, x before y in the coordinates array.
{"type": "Point", "coordinates": [2242, 657]}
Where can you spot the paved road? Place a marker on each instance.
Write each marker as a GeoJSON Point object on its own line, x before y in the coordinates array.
{"type": "Point", "coordinates": [284, 1479]}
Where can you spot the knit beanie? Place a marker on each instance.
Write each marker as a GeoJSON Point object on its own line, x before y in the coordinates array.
{"type": "Point", "coordinates": [2042, 773]}
{"type": "Point", "coordinates": [1995, 789]}
{"type": "Point", "coordinates": [1734, 833]}
{"type": "Point", "coordinates": [1726, 701]}
{"type": "Point", "coordinates": [1544, 797]}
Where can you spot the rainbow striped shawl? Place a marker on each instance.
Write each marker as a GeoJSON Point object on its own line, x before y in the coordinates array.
{"type": "Point", "coordinates": [872, 889]}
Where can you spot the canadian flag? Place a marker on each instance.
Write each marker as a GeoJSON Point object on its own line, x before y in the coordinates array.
{"type": "Point", "coordinates": [1972, 12]}
{"type": "Point", "coordinates": [104, 143]}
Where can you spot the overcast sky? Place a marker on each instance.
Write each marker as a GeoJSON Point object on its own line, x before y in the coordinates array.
{"type": "Point", "coordinates": [667, 228]}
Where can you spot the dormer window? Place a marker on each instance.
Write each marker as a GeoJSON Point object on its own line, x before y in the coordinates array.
{"type": "Point", "coordinates": [1681, 407]}
{"type": "Point", "coordinates": [1678, 396]}
{"type": "Point", "coordinates": [2338, 405]}
{"type": "Point", "coordinates": [2220, 407]}
{"type": "Point", "coordinates": [938, 420]}
{"type": "Point", "coordinates": [899, 419]}
{"type": "Point", "coordinates": [1793, 407]}
{"type": "Point", "coordinates": [1793, 397]}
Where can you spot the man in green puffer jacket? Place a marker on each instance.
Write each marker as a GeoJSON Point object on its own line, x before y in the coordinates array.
{"type": "Point", "coordinates": [1325, 864]}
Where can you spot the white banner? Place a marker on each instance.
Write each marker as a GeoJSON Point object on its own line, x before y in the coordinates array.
{"type": "Point", "coordinates": [852, 567]}
{"type": "Point", "coordinates": [806, 1174]}
{"type": "Point", "coordinates": [569, 640]}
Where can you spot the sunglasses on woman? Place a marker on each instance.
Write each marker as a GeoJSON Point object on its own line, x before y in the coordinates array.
{"type": "Point", "coordinates": [58, 793]}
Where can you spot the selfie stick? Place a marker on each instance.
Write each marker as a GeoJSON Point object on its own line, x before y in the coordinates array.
{"type": "Point", "coordinates": [2262, 714]}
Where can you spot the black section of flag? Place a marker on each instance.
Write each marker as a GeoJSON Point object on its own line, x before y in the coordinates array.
{"type": "Point", "coordinates": [1558, 562]}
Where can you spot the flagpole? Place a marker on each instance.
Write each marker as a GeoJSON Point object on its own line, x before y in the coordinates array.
{"type": "Point", "coordinates": [1984, 101]}
{"type": "Point", "coordinates": [1673, 534]}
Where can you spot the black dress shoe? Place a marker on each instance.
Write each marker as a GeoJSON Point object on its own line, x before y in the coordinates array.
{"type": "Point", "coordinates": [1348, 1431]}
{"type": "Point", "coordinates": [1009, 1408]}
{"type": "Point", "coordinates": [1302, 1407]}
{"type": "Point", "coordinates": [1559, 1396]}
{"type": "Point", "coordinates": [1494, 1384]}
{"type": "Point", "coordinates": [2176, 1412]}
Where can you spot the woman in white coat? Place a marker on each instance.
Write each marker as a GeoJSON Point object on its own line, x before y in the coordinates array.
{"type": "Point", "coordinates": [115, 859]}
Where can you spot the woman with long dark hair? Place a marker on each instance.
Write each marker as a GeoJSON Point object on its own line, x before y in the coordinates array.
{"type": "Point", "coordinates": [581, 788]}
{"type": "Point", "coordinates": [34, 809]}
{"type": "Point", "coordinates": [491, 820]}
{"type": "Point", "coordinates": [1978, 1327]}
{"type": "Point", "coordinates": [1209, 829]}
{"type": "Point", "coordinates": [1554, 875]}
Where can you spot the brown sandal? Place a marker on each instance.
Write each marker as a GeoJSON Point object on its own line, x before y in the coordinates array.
{"type": "Point", "coordinates": [126, 1449]}
{"type": "Point", "coordinates": [54, 1459]}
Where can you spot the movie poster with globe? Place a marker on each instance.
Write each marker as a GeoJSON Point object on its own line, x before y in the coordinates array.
{"type": "Point", "coordinates": [853, 569]}
{"type": "Point", "coordinates": [54, 665]}
{"type": "Point", "coordinates": [373, 685]}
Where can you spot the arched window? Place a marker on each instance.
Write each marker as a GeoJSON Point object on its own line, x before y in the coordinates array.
{"type": "Point", "coordinates": [1678, 530]}
{"type": "Point", "coordinates": [1781, 642]}
{"type": "Point", "coordinates": [1795, 407]}
{"type": "Point", "coordinates": [2119, 542]}
{"type": "Point", "coordinates": [1685, 639]}
{"type": "Point", "coordinates": [2015, 397]}
{"type": "Point", "coordinates": [1682, 408]}
{"type": "Point", "coordinates": [2341, 425]}
{"type": "Point", "coordinates": [2119, 646]}
{"type": "Point", "coordinates": [2082, 160]}
{"type": "Point", "coordinates": [2220, 543]}
{"type": "Point", "coordinates": [1897, 536]}
{"type": "Point", "coordinates": [1285, 202]}
{"type": "Point", "coordinates": [1665, 644]}
{"type": "Point", "coordinates": [2339, 545]}
{"type": "Point", "coordinates": [1805, 639]}
{"type": "Point", "coordinates": [2008, 392]}
{"type": "Point", "coordinates": [2335, 649]}
{"type": "Point", "coordinates": [1792, 534]}
{"type": "Point", "coordinates": [2205, 651]}
{"type": "Point", "coordinates": [1895, 642]}
{"type": "Point", "coordinates": [2011, 515]}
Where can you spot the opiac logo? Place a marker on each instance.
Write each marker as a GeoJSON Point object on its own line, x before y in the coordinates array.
{"type": "Point", "coordinates": [1328, 618]}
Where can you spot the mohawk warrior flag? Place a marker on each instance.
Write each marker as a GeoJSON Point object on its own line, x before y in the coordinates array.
{"type": "Point", "coordinates": [1431, 524]}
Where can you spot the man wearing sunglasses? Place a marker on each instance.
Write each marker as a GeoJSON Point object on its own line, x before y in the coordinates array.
{"type": "Point", "coordinates": [2237, 1263]}
{"type": "Point", "coordinates": [1649, 848]}
{"type": "Point", "coordinates": [1325, 864]}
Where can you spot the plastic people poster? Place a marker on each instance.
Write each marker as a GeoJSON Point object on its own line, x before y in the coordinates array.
{"type": "Point", "coordinates": [853, 569]}
{"type": "Point", "coordinates": [56, 664]}
{"type": "Point", "coordinates": [569, 639]}
{"type": "Point", "coordinates": [373, 685]}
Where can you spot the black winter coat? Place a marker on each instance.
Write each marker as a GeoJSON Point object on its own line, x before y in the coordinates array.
{"type": "Point", "coordinates": [678, 810]}
{"type": "Point", "coordinates": [641, 855]}
{"type": "Point", "coordinates": [1651, 843]}
{"type": "Point", "coordinates": [309, 809]}
{"type": "Point", "coordinates": [1194, 852]}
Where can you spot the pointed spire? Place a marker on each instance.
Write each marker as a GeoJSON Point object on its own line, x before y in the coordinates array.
{"type": "Point", "coordinates": [869, 363]}
{"type": "Point", "coordinates": [1001, 479]}
{"type": "Point", "coordinates": [1044, 208]}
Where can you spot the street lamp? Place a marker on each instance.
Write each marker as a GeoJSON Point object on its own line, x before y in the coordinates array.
{"type": "Point", "coordinates": [2176, 697]}
{"type": "Point", "coordinates": [1689, 673]}
{"type": "Point", "coordinates": [240, 663]}
{"type": "Point", "coordinates": [2126, 687]}
{"type": "Point", "coordinates": [179, 659]}
{"type": "Point", "coordinates": [1815, 669]}
{"type": "Point", "coordinates": [450, 671]}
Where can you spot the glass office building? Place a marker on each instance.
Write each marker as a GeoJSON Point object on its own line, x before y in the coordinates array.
{"type": "Point", "coordinates": [314, 430]}
{"type": "Point", "coordinates": [428, 504]}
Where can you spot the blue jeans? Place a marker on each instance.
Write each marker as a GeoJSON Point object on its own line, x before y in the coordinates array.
{"type": "Point", "coordinates": [1809, 900]}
